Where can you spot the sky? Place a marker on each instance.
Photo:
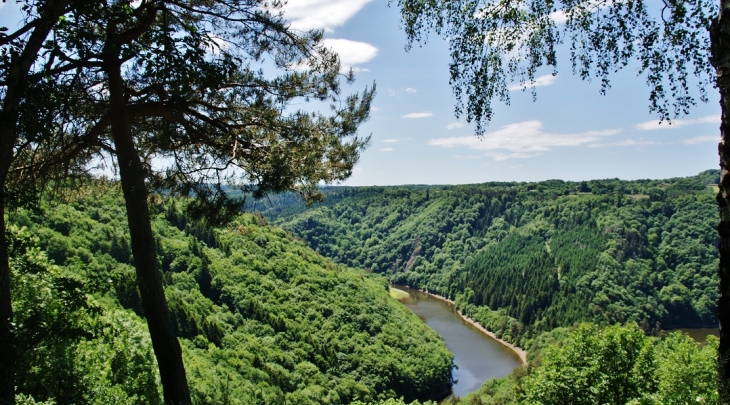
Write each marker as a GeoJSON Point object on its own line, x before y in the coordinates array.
{"type": "Point", "coordinates": [570, 132]}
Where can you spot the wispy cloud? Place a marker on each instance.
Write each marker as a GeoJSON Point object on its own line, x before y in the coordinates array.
{"type": "Point", "coordinates": [455, 125]}
{"type": "Point", "coordinates": [504, 156]}
{"type": "Point", "coordinates": [540, 81]}
{"type": "Point", "coordinates": [560, 17]}
{"type": "Point", "coordinates": [406, 90]}
{"type": "Point", "coordinates": [469, 156]}
{"type": "Point", "coordinates": [352, 53]}
{"type": "Point", "coordinates": [424, 114]}
{"type": "Point", "coordinates": [625, 142]}
{"type": "Point", "coordinates": [701, 139]}
{"type": "Point", "coordinates": [390, 140]}
{"type": "Point", "coordinates": [321, 14]}
{"type": "Point", "coordinates": [387, 149]}
{"type": "Point", "coordinates": [521, 140]}
{"type": "Point", "coordinates": [652, 125]}
{"type": "Point", "coordinates": [215, 44]}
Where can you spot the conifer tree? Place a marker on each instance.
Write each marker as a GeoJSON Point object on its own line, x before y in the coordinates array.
{"type": "Point", "coordinates": [174, 93]}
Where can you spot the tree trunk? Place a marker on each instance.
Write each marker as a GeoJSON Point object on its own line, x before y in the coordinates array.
{"type": "Point", "coordinates": [720, 46]}
{"type": "Point", "coordinates": [149, 279]}
{"type": "Point", "coordinates": [7, 337]}
{"type": "Point", "coordinates": [17, 82]}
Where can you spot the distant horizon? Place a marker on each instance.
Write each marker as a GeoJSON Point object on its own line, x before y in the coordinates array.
{"type": "Point", "coordinates": [517, 181]}
{"type": "Point", "coordinates": [325, 186]}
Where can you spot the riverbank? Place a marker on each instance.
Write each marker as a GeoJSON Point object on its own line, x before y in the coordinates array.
{"type": "Point", "coordinates": [521, 353]}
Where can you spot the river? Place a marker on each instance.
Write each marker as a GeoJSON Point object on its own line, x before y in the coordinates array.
{"type": "Point", "coordinates": [477, 356]}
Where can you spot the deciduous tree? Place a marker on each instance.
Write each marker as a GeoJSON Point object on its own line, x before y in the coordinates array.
{"type": "Point", "coordinates": [19, 51]}
{"type": "Point", "coordinates": [175, 93]}
{"type": "Point", "coordinates": [682, 48]}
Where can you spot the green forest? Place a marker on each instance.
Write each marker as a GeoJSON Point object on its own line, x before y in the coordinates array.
{"type": "Point", "coordinates": [525, 258]}
{"type": "Point", "coordinates": [177, 283]}
{"type": "Point", "coordinates": [615, 365]}
{"type": "Point", "coordinates": [262, 319]}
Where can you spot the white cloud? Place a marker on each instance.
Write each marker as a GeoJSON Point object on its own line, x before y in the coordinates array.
{"type": "Point", "coordinates": [522, 140]}
{"type": "Point", "coordinates": [559, 17]}
{"type": "Point", "coordinates": [625, 142]}
{"type": "Point", "coordinates": [351, 52]}
{"type": "Point", "coordinates": [652, 125]}
{"type": "Point", "coordinates": [455, 125]}
{"type": "Point", "coordinates": [540, 81]}
{"type": "Point", "coordinates": [321, 14]}
{"type": "Point", "coordinates": [701, 139]}
{"type": "Point", "coordinates": [407, 90]}
{"type": "Point", "coordinates": [390, 140]}
{"type": "Point", "coordinates": [387, 149]}
{"type": "Point", "coordinates": [469, 156]}
{"type": "Point", "coordinates": [216, 44]}
{"type": "Point", "coordinates": [504, 156]}
{"type": "Point", "coordinates": [424, 114]}
{"type": "Point", "coordinates": [375, 108]}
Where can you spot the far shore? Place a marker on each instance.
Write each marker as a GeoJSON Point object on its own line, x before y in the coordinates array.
{"type": "Point", "coordinates": [521, 353]}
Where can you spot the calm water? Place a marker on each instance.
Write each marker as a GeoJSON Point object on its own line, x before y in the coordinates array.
{"type": "Point", "coordinates": [700, 335]}
{"type": "Point", "coordinates": [477, 356]}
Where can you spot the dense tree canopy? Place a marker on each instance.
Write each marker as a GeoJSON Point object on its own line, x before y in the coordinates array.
{"type": "Point", "coordinates": [262, 319]}
{"type": "Point", "coordinates": [614, 365]}
{"type": "Point", "coordinates": [174, 95]}
{"type": "Point", "coordinates": [673, 44]}
{"type": "Point", "coordinates": [524, 258]}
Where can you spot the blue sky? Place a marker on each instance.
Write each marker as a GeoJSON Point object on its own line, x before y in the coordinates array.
{"type": "Point", "coordinates": [571, 132]}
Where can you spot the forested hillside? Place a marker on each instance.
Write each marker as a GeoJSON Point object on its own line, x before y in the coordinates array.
{"type": "Point", "coordinates": [523, 258]}
{"type": "Point", "coordinates": [615, 365]}
{"type": "Point", "coordinates": [262, 318]}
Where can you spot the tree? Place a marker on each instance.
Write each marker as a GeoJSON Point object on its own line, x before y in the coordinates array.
{"type": "Point", "coordinates": [181, 82]}
{"type": "Point", "coordinates": [686, 44]}
{"type": "Point", "coordinates": [19, 51]}
{"type": "Point", "coordinates": [612, 366]}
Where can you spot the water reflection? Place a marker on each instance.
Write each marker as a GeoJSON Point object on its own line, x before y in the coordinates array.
{"type": "Point", "coordinates": [477, 356]}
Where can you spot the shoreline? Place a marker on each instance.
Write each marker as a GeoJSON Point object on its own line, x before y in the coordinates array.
{"type": "Point", "coordinates": [521, 353]}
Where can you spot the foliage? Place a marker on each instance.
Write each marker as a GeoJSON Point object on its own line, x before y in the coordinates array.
{"type": "Point", "coordinates": [615, 365]}
{"type": "Point", "coordinates": [175, 82]}
{"type": "Point", "coordinates": [612, 366]}
{"type": "Point", "coordinates": [494, 43]}
{"type": "Point", "coordinates": [72, 347]}
{"type": "Point", "coordinates": [525, 258]}
{"type": "Point", "coordinates": [261, 318]}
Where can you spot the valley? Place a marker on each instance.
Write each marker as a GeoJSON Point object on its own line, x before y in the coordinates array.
{"type": "Point", "coordinates": [526, 258]}
{"type": "Point", "coordinates": [265, 316]}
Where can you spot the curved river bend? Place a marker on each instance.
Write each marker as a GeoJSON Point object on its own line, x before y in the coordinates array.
{"type": "Point", "coordinates": [477, 356]}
